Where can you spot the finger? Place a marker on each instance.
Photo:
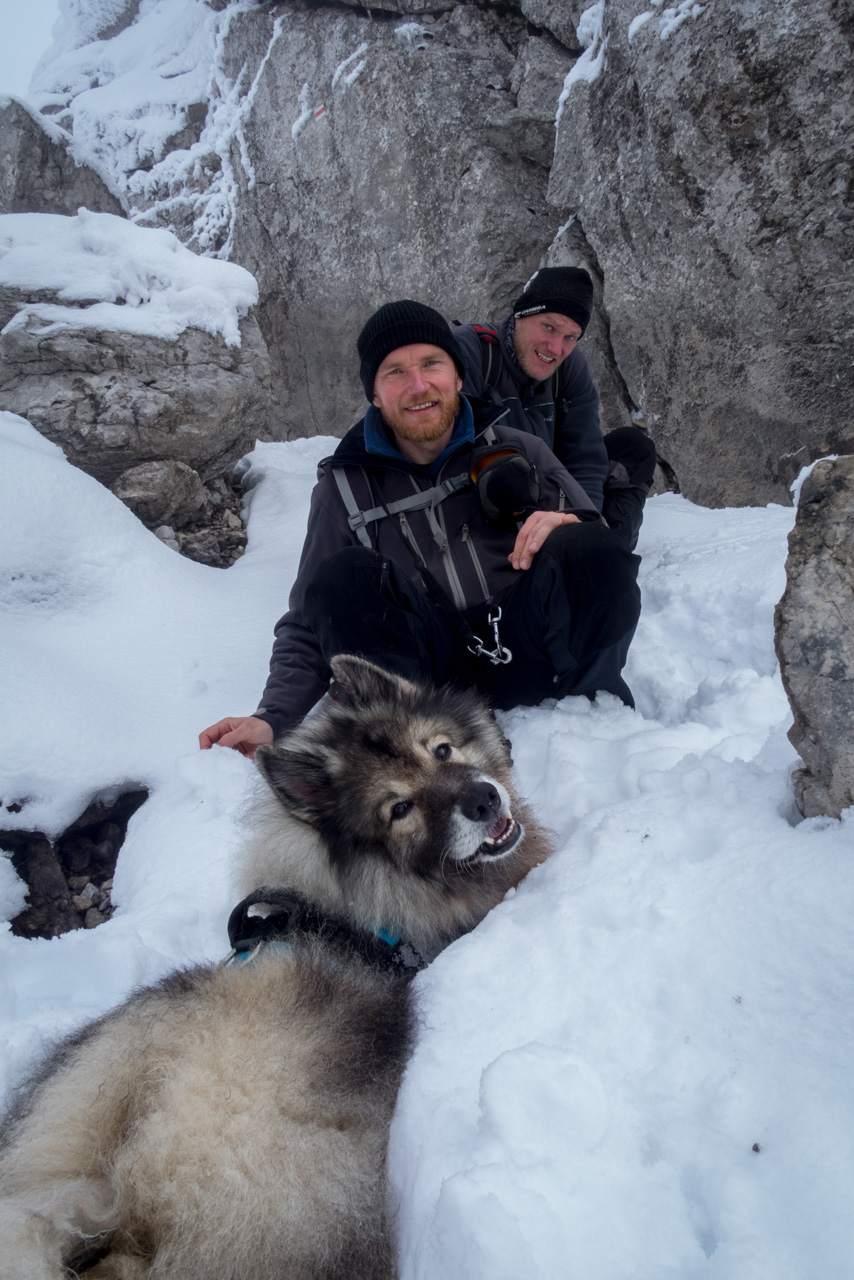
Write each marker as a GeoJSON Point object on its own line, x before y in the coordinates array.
{"type": "Point", "coordinates": [237, 740]}
{"type": "Point", "coordinates": [531, 536]}
{"type": "Point", "coordinates": [208, 737]}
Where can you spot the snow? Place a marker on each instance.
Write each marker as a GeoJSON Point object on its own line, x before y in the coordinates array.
{"type": "Point", "coordinates": [306, 112]}
{"type": "Point", "coordinates": [589, 66]}
{"type": "Point", "coordinates": [672, 18]}
{"type": "Point", "coordinates": [342, 67]}
{"type": "Point", "coordinates": [669, 19]}
{"type": "Point", "coordinates": [638, 1067]}
{"type": "Point", "coordinates": [133, 279]}
{"type": "Point", "coordinates": [126, 99]}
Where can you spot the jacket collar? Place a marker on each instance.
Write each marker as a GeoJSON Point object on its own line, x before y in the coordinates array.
{"type": "Point", "coordinates": [378, 440]}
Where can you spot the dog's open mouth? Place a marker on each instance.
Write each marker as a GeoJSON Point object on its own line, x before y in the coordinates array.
{"type": "Point", "coordinates": [501, 839]}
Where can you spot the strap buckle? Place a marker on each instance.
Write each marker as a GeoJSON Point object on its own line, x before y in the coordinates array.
{"type": "Point", "coordinates": [500, 654]}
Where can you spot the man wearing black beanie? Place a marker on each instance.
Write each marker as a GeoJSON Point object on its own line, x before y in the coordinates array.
{"type": "Point", "coordinates": [530, 369]}
{"type": "Point", "coordinates": [444, 550]}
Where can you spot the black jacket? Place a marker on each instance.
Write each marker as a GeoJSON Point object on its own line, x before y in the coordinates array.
{"type": "Point", "coordinates": [570, 426]}
{"type": "Point", "coordinates": [464, 553]}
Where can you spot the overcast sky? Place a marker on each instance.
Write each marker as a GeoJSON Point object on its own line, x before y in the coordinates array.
{"type": "Point", "coordinates": [25, 27]}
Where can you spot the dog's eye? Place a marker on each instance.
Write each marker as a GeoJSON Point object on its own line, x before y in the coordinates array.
{"type": "Point", "coordinates": [443, 751]}
{"type": "Point", "coordinates": [400, 810]}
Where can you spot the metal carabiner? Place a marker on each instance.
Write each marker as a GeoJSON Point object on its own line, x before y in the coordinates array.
{"type": "Point", "coordinates": [500, 654]}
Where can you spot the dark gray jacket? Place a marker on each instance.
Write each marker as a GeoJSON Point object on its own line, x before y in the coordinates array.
{"type": "Point", "coordinates": [464, 553]}
{"type": "Point", "coordinates": [568, 421]}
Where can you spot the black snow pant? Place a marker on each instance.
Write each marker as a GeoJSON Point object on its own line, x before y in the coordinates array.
{"type": "Point", "coordinates": [568, 620]}
{"type": "Point", "coordinates": [631, 458]}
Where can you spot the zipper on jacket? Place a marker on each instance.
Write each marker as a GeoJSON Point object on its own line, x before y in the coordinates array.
{"type": "Point", "coordinates": [410, 538]}
{"type": "Point", "coordinates": [481, 577]}
{"type": "Point", "coordinates": [450, 568]}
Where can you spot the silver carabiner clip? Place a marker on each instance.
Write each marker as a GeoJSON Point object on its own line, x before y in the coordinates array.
{"type": "Point", "coordinates": [500, 654]}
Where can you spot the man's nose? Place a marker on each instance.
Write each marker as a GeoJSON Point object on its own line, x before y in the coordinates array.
{"type": "Point", "coordinates": [416, 381]}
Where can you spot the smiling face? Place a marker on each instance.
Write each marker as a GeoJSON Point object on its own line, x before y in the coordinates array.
{"type": "Point", "coordinates": [543, 342]}
{"type": "Point", "coordinates": [416, 390]}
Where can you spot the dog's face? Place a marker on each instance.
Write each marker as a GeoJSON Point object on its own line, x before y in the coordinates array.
{"type": "Point", "coordinates": [414, 776]}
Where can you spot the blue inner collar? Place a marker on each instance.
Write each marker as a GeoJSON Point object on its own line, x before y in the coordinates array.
{"type": "Point", "coordinates": [379, 439]}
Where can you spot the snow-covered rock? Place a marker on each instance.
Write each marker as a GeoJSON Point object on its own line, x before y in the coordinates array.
{"type": "Point", "coordinates": [38, 172]}
{"type": "Point", "coordinates": [123, 346]}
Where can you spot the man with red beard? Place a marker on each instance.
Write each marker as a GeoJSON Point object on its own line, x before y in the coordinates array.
{"type": "Point", "coordinates": [446, 552]}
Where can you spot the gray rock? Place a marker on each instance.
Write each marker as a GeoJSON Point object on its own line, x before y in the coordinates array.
{"type": "Point", "coordinates": [421, 172]}
{"type": "Point", "coordinates": [814, 637]}
{"type": "Point", "coordinates": [406, 149]}
{"type": "Point", "coordinates": [202, 545]}
{"type": "Point", "coordinates": [37, 172]}
{"type": "Point", "coordinates": [166, 534]}
{"type": "Point", "coordinates": [113, 400]}
{"type": "Point", "coordinates": [425, 177]}
{"type": "Point", "coordinates": [162, 493]}
{"type": "Point", "coordinates": [710, 173]}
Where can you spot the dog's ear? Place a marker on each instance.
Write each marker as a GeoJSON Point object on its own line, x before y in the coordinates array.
{"type": "Point", "coordinates": [364, 683]}
{"type": "Point", "coordinates": [297, 778]}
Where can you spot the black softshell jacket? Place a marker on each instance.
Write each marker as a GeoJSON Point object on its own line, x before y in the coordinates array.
{"type": "Point", "coordinates": [464, 553]}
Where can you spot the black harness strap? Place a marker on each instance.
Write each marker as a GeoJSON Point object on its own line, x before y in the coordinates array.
{"type": "Point", "coordinates": [277, 915]}
{"type": "Point", "coordinates": [424, 499]}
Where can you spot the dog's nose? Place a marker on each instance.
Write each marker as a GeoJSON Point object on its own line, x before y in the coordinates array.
{"type": "Point", "coordinates": [481, 803]}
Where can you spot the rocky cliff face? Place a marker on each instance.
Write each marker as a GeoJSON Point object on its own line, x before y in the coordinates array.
{"type": "Point", "coordinates": [37, 172]}
{"type": "Point", "coordinates": [708, 161]}
{"type": "Point", "coordinates": [346, 156]}
{"type": "Point", "coordinates": [814, 625]}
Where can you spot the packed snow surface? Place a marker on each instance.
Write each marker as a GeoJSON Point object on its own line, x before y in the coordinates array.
{"type": "Point", "coordinates": [122, 277]}
{"type": "Point", "coordinates": [639, 1066]}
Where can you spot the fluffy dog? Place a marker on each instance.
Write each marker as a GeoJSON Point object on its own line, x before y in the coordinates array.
{"type": "Point", "coordinates": [230, 1123]}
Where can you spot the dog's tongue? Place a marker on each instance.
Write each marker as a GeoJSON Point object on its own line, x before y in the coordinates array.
{"type": "Point", "coordinates": [500, 829]}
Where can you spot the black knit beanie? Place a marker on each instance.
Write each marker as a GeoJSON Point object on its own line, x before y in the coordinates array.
{"type": "Point", "coordinates": [398, 324]}
{"type": "Point", "coordinates": [566, 290]}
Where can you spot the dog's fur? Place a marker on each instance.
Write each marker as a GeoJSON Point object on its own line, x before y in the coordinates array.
{"type": "Point", "coordinates": [230, 1123]}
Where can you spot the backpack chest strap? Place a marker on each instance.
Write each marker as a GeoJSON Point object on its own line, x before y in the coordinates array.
{"type": "Point", "coordinates": [358, 519]}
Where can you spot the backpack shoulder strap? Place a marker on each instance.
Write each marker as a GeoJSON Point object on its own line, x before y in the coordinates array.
{"type": "Point", "coordinates": [489, 359]}
{"type": "Point", "coordinates": [424, 498]}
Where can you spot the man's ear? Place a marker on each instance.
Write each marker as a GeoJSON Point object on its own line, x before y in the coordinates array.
{"type": "Point", "coordinates": [365, 684]}
{"type": "Point", "coordinates": [459, 383]}
{"type": "Point", "coordinates": [299, 780]}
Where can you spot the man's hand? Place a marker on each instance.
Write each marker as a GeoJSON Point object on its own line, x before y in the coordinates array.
{"type": "Point", "coordinates": [241, 733]}
{"type": "Point", "coordinates": [533, 534]}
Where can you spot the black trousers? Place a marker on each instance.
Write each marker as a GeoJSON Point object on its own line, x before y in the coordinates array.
{"type": "Point", "coordinates": [568, 620]}
{"type": "Point", "coordinates": [631, 458]}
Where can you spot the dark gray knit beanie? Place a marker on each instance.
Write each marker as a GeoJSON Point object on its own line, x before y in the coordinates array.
{"type": "Point", "coordinates": [398, 324]}
{"type": "Point", "coordinates": [566, 290]}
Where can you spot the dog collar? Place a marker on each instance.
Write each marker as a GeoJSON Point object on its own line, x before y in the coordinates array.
{"type": "Point", "coordinates": [275, 916]}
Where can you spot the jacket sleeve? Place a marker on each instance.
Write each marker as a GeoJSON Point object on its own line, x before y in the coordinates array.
{"type": "Point", "coordinates": [555, 481]}
{"type": "Point", "coordinates": [578, 441]}
{"type": "Point", "coordinates": [299, 676]}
